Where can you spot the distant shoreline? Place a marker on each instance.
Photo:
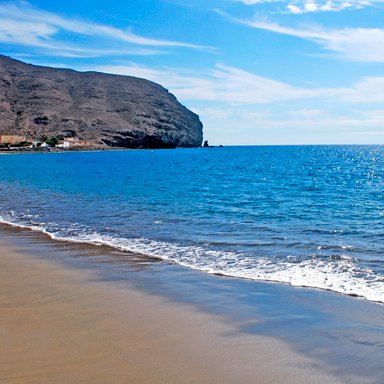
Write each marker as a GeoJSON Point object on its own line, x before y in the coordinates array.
{"type": "Point", "coordinates": [59, 150]}
{"type": "Point", "coordinates": [84, 149]}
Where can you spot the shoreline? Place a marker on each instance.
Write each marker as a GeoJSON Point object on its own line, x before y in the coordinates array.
{"type": "Point", "coordinates": [66, 324]}
{"type": "Point", "coordinates": [82, 149]}
{"type": "Point", "coordinates": [61, 150]}
{"type": "Point", "coordinates": [115, 247]}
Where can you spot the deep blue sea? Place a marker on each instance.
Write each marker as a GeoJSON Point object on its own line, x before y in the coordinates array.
{"type": "Point", "coordinates": [310, 216]}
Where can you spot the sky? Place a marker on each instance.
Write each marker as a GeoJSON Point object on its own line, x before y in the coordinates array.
{"type": "Point", "coordinates": [257, 72]}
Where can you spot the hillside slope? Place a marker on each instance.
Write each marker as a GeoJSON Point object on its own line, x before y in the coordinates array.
{"type": "Point", "coordinates": [106, 109]}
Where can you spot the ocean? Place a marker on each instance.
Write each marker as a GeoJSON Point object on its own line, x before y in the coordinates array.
{"type": "Point", "coordinates": [309, 216]}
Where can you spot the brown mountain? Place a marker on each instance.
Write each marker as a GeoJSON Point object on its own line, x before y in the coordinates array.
{"type": "Point", "coordinates": [107, 109]}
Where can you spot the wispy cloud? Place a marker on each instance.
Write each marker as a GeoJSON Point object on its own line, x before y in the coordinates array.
{"type": "Point", "coordinates": [23, 24]}
{"type": "Point", "coordinates": [42, 36]}
{"type": "Point", "coordinates": [312, 6]}
{"type": "Point", "coordinates": [235, 86]}
{"type": "Point", "coordinates": [356, 44]}
{"type": "Point", "coordinates": [298, 7]}
{"type": "Point", "coordinates": [222, 83]}
{"type": "Point", "coordinates": [366, 90]}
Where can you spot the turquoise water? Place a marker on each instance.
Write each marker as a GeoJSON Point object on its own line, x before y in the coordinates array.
{"type": "Point", "coordinates": [304, 215]}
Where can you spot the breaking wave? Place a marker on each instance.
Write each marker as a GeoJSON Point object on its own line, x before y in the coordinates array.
{"type": "Point", "coordinates": [338, 273]}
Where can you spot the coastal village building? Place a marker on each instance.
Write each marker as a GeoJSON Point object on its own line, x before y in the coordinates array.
{"type": "Point", "coordinates": [12, 139]}
{"type": "Point", "coordinates": [8, 142]}
{"type": "Point", "coordinates": [76, 142]}
{"type": "Point", "coordinates": [63, 144]}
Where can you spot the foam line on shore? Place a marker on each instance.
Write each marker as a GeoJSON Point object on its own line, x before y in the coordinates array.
{"type": "Point", "coordinates": [339, 274]}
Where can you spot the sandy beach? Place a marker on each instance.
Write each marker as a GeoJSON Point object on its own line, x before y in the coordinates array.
{"type": "Point", "coordinates": [61, 324]}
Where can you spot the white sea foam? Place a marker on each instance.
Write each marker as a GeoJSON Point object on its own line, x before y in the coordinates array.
{"type": "Point", "coordinates": [339, 274]}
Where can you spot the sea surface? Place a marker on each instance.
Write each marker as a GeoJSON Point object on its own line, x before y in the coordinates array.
{"type": "Point", "coordinates": [309, 216]}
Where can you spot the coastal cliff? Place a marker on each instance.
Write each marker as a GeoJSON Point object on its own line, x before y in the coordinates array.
{"type": "Point", "coordinates": [106, 110]}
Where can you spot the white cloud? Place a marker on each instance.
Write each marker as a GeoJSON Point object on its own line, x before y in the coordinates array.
{"type": "Point", "coordinates": [234, 86]}
{"type": "Point", "coordinates": [292, 8]}
{"type": "Point", "coordinates": [23, 24]}
{"type": "Point", "coordinates": [299, 7]}
{"type": "Point", "coordinates": [223, 83]}
{"type": "Point", "coordinates": [311, 6]}
{"type": "Point", "coordinates": [366, 90]}
{"type": "Point", "coordinates": [40, 35]}
{"type": "Point", "coordinates": [357, 44]}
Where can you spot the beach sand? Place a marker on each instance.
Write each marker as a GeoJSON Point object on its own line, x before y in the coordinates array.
{"type": "Point", "coordinates": [60, 324]}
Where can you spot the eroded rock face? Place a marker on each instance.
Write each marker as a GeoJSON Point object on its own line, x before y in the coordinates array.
{"type": "Point", "coordinates": [106, 109]}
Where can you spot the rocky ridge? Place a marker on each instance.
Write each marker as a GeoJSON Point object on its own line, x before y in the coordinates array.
{"type": "Point", "coordinates": [107, 110]}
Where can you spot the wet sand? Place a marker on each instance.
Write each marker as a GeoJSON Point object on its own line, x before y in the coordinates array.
{"type": "Point", "coordinates": [60, 324]}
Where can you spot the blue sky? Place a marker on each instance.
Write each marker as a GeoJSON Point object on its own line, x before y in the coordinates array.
{"type": "Point", "coordinates": [256, 71]}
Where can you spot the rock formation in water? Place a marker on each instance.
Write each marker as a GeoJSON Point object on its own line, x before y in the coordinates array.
{"type": "Point", "coordinates": [110, 110]}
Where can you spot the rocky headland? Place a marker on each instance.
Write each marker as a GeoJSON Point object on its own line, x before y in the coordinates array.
{"type": "Point", "coordinates": [99, 109]}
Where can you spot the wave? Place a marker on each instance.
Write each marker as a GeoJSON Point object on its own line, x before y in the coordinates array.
{"type": "Point", "coordinates": [338, 273]}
